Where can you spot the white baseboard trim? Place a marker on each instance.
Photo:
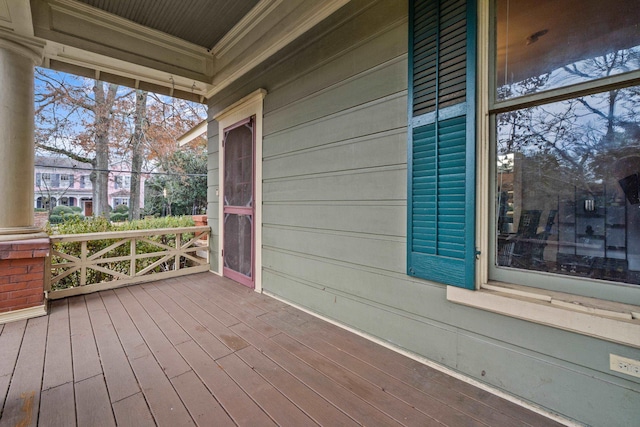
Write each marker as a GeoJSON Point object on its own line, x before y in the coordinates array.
{"type": "Point", "coordinates": [22, 314]}
{"type": "Point", "coordinates": [513, 399]}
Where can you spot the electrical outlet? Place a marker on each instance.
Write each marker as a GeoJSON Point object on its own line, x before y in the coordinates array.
{"type": "Point", "coordinates": [624, 365]}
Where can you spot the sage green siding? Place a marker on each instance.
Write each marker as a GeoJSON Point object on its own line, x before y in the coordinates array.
{"type": "Point", "coordinates": [334, 222]}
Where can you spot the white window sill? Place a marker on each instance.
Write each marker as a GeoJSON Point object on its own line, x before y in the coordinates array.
{"type": "Point", "coordinates": [606, 320]}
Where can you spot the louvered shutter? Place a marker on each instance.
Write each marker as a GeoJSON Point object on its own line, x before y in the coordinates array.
{"type": "Point", "coordinates": [441, 162]}
{"type": "Point", "coordinates": [55, 180]}
{"type": "Point", "coordinates": [38, 179]}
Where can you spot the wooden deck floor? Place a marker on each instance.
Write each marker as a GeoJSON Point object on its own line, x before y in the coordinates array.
{"type": "Point", "coordinates": [201, 350]}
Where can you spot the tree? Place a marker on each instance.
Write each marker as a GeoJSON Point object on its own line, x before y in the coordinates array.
{"type": "Point", "coordinates": [137, 153]}
{"type": "Point", "coordinates": [97, 124]}
{"type": "Point", "coordinates": [79, 118]}
{"type": "Point", "coordinates": [183, 191]}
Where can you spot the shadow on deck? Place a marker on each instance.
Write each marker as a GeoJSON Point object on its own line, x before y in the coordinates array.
{"type": "Point", "coordinates": [201, 350]}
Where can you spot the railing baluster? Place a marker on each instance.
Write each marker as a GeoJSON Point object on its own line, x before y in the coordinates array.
{"type": "Point", "coordinates": [132, 253]}
{"type": "Point", "coordinates": [83, 260]}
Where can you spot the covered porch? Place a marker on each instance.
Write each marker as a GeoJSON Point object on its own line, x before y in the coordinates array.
{"type": "Point", "coordinates": [203, 350]}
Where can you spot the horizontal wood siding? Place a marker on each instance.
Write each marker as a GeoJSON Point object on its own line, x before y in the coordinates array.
{"type": "Point", "coordinates": [334, 222]}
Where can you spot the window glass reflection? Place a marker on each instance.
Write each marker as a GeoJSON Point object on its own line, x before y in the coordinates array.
{"type": "Point", "coordinates": [567, 187]}
{"type": "Point", "coordinates": [546, 44]}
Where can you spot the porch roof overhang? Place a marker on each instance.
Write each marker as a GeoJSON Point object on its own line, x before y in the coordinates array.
{"type": "Point", "coordinates": [190, 49]}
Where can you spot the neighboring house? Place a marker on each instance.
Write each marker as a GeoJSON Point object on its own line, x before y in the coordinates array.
{"type": "Point", "coordinates": [455, 179]}
{"type": "Point", "coordinates": [62, 181]}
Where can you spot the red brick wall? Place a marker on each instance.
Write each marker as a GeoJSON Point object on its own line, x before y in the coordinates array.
{"type": "Point", "coordinates": [40, 219]}
{"type": "Point", "coordinates": [22, 273]}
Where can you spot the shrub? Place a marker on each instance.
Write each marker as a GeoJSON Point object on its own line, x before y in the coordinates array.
{"type": "Point", "coordinates": [55, 219]}
{"type": "Point", "coordinates": [61, 210]}
{"type": "Point", "coordinates": [40, 210]}
{"type": "Point", "coordinates": [119, 217]}
{"type": "Point", "coordinates": [76, 209]}
{"type": "Point", "coordinates": [121, 209]}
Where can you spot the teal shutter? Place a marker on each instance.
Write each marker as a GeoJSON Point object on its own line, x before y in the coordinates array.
{"type": "Point", "coordinates": [441, 161]}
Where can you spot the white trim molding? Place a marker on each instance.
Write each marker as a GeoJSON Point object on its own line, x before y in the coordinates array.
{"type": "Point", "coordinates": [23, 314]}
{"type": "Point", "coordinates": [255, 16]}
{"type": "Point", "coordinates": [276, 36]}
{"type": "Point", "coordinates": [601, 319]}
{"type": "Point", "coordinates": [250, 105]}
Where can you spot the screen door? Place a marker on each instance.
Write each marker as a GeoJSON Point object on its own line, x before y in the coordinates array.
{"type": "Point", "coordinates": [238, 202]}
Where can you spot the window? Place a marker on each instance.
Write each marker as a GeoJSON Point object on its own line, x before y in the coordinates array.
{"type": "Point", "coordinates": [565, 111]}
{"type": "Point", "coordinates": [120, 201]}
{"type": "Point", "coordinates": [122, 181]}
{"type": "Point", "coordinates": [85, 182]}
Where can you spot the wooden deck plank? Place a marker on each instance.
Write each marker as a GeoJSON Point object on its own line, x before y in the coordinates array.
{"type": "Point", "coordinates": [274, 403]}
{"type": "Point", "coordinates": [166, 406]}
{"type": "Point", "coordinates": [164, 402]}
{"type": "Point", "coordinates": [398, 366]}
{"type": "Point", "coordinates": [377, 397]}
{"type": "Point", "coordinates": [217, 329]}
{"type": "Point", "coordinates": [86, 362]}
{"type": "Point", "coordinates": [58, 407]}
{"type": "Point", "coordinates": [93, 406]}
{"type": "Point", "coordinates": [314, 405]}
{"type": "Point", "coordinates": [161, 348]}
{"type": "Point", "coordinates": [187, 289]}
{"type": "Point", "coordinates": [133, 411]}
{"type": "Point", "coordinates": [121, 381]}
{"type": "Point", "coordinates": [168, 357]}
{"type": "Point", "coordinates": [58, 368]}
{"type": "Point", "coordinates": [23, 399]}
{"type": "Point", "coordinates": [348, 402]}
{"type": "Point", "coordinates": [170, 328]}
{"type": "Point", "coordinates": [426, 404]}
{"type": "Point", "coordinates": [233, 399]}
{"type": "Point", "coordinates": [10, 341]}
{"type": "Point", "coordinates": [228, 301]}
{"type": "Point", "coordinates": [203, 407]}
{"type": "Point", "coordinates": [214, 347]}
{"type": "Point", "coordinates": [244, 313]}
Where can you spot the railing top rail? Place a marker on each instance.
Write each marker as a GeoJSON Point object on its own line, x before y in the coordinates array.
{"type": "Point", "coordinates": [125, 234]}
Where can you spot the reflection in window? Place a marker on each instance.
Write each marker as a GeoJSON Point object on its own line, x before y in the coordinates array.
{"type": "Point", "coordinates": [567, 187]}
{"type": "Point", "coordinates": [546, 44]}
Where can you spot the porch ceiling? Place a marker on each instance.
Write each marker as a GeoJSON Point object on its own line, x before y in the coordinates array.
{"type": "Point", "coordinates": [201, 22]}
{"type": "Point", "coordinates": [190, 49]}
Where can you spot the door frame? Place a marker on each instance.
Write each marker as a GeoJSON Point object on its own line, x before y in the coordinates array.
{"type": "Point", "coordinates": [251, 105]}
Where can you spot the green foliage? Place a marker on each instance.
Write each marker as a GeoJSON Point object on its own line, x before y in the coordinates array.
{"type": "Point", "coordinates": [121, 209]}
{"type": "Point", "coordinates": [55, 219]}
{"type": "Point", "coordinates": [100, 225]}
{"type": "Point", "coordinates": [78, 226]}
{"type": "Point", "coordinates": [186, 194]}
{"type": "Point", "coordinates": [76, 209]}
{"type": "Point", "coordinates": [61, 210]}
{"type": "Point", "coordinates": [40, 210]}
{"type": "Point", "coordinates": [119, 217]}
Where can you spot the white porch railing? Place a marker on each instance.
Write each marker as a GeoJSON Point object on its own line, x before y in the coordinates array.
{"type": "Point", "coordinates": [85, 263]}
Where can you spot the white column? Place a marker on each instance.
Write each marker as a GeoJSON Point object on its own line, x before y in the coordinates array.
{"type": "Point", "coordinates": [18, 57]}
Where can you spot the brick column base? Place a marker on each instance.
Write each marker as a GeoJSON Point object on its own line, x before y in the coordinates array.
{"type": "Point", "coordinates": [22, 270]}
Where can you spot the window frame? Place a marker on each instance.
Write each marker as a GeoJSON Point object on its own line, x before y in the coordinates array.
{"type": "Point", "coordinates": [616, 291]}
{"type": "Point", "coordinates": [576, 310]}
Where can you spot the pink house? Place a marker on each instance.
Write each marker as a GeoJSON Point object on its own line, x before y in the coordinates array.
{"type": "Point", "coordinates": [62, 181]}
